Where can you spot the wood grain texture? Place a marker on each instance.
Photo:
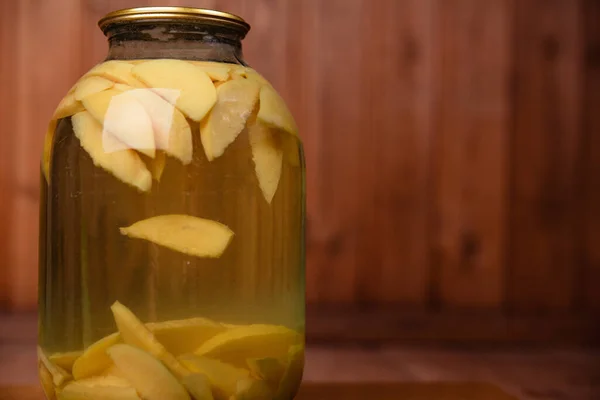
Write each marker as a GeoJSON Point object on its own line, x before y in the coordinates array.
{"type": "Point", "coordinates": [545, 144]}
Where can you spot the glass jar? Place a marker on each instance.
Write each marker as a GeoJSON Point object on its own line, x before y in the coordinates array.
{"type": "Point", "coordinates": [172, 221]}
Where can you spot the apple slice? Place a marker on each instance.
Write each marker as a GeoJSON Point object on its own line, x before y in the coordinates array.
{"type": "Point", "coordinates": [216, 71]}
{"type": "Point", "coordinates": [267, 155]}
{"type": "Point", "coordinates": [104, 150]}
{"type": "Point", "coordinates": [235, 101]}
{"type": "Point", "coordinates": [249, 73]}
{"type": "Point", "coordinates": [197, 92]}
{"type": "Point", "coordinates": [91, 85]}
{"type": "Point", "coordinates": [183, 233]}
{"type": "Point", "coordinates": [146, 374]}
{"type": "Point", "coordinates": [274, 112]}
{"type": "Point", "coordinates": [99, 388]}
{"type": "Point", "coordinates": [94, 359]}
{"type": "Point", "coordinates": [123, 116]}
{"type": "Point", "coordinates": [46, 381]}
{"type": "Point", "coordinates": [67, 107]}
{"type": "Point", "coordinates": [222, 376]}
{"type": "Point", "coordinates": [59, 375]}
{"type": "Point", "coordinates": [157, 165]}
{"type": "Point", "coordinates": [185, 335]}
{"type": "Point", "coordinates": [65, 360]}
{"type": "Point", "coordinates": [117, 71]}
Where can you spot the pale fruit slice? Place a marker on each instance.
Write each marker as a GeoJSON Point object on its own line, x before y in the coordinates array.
{"type": "Point", "coordinates": [46, 381]}
{"type": "Point", "coordinates": [183, 233]}
{"type": "Point", "coordinates": [235, 101]}
{"type": "Point", "coordinates": [245, 72]}
{"type": "Point", "coordinates": [65, 360]}
{"type": "Point", "coordinates": [47, 153]}
{"type": "Point", "coordinates": [123, 116]}
{"type": "Point", "coordinates": [68, 106]}
{"type": "Point", "coordinates": [236, 345]}
{"type": "Point", "coordinates": [197, 92]}
{"type": "Point", "coordinates": [222, 376]}
{"type": "Point", "coordinates": [274, 112]}
{"type": "Point", "coordinates": [94, 359]}
{"type": "Point", "coordinates": [184, 336]}
{"type": "Point", "coordinates": [253, 389]}
{"type": "Point", "coordinates": [293, 374]}
{"type": "Point", "coordinates": [198, 386]}
{"type": "Point", "coordinates": [91, 85]}
{"type": "Point", "coordinates": [147, 375]}
{"type": "Point", "coordinates": [216, 71]}
{"type": "Point", "coordinates": [267, 155]}
{"type": "Point", "coordinates": [126, 165]}
{"type": "Point", "coordinates": [172, 133]}
{"type": "Point", "coordinates": [269, 369]}
{"type": "Point", "coordinates": [99, 388]}
{"type": "Point", "coordinates": [156, 166]}
{"type": "Point", "coordinates": [117, 71]}
{"type": "Point", "coordinates": [135, 333]}
{"type": "Point", "coordinates": [59, 375]}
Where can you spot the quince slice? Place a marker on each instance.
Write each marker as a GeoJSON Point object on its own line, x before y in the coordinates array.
{"type": "Point", "coordinates": [157, 165]}
{"type": "Point", "coordinates": [94, 359]}
{"type": "Point", "coordinates": [267, 155]}
{"type": "Point", "coordinates": [67, 107]}
{"type": "Point", "coordinates": [235, 101]}
{"type": "Point", "coordinates": [59, 375]}
{"type": "Point", "coordinates": [91, 85]}
{"type": "Point", "coordinates": [65, 360]}
{"type": "Point", "coordinates": [293, 374]}
{"type": "Point", "coordinates": [106, 153]}
{"type": "Point", "coordinates": [99, 388]}
{"type": "Point", "coordinates": [46, 381]}
{"type": "Point", "coordinates": [274, 112]}
{"type": "Point", "coordinates": [222, 376]}
{"type": "Point", "coordinates": [216, 71]}
{"type": "Point", "coordinates": [184, 336]}
{"type": "Point", "coordinates": [117, 71]}
{"type": "Point", "coordinates": [183, 233]}
{"type": "Point", "coordinates": [197, 92]}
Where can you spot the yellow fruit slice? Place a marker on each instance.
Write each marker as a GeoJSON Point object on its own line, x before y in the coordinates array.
{"type": "Point", "coordinates": [235, 101]}
{"type": "Point", "coordinates": [293, 374]}
{"type": "Point", "coordinates": [91, 85]}
{"type": "Point", "coordinates": [46, 381]}
{"type": "Point", "coordinates": [216, 71]}
{"type": "Point", "coordinates": [236, 345]}
{"type": "Point", "coordinates": [274, 112]}
{"type": "Point", "coordinates": [184, 336]}
{"type": "Point", "coordinates": [65, 360]}
{"type": "Point", "coordinates": [222, 376]}
{"type": "Point", "coordinates": [135, 333]}
{"type": "Point", "coordinates": [59, 375]}
{"type": "Point", "coordinates": [183, 233]}
{"type": "Point", "coordinates": [146, 374]}
{"type": "Point", "coordinates": [47, 153]}
{"type": "Point", "coordinates": [267, 155]}
{"type": "Point", "coordinates": [126, 165]}
{"type": "Point", "coordinates": [99, 388]}
{"type": "Point", "coordinates": [123, 116]}
{"type": "Point", "coordinates": [269, 369]}
{"type": "Point", "coordinates": [157, 165]}
{"type": "Point", "coordinates": [198, 386]}
{"type": "Point", "coordinates": [172, 133]}
{"type": "Point", "coordinates": [253, 389]}
{"type": "Point", "coordinates": [67, 107]}
{"type": "Point", "coordinates": [94, 359]}
{"type": "Point", "coordinates": [117, 71]}
{"type": "Point", "coordinates": [249, 73]}
{"type": "Point", "coordinates": [197, 92]}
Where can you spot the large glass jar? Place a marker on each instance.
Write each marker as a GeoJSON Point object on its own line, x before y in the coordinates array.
{"type": "Point", "coordinates": [172, 221]}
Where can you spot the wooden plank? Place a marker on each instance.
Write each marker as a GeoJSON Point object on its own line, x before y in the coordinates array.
{"type": "Point", "coordinates": [545, 146]}
{"type": "Point", "coordinates": [591, 147]}
{"type": "Point", "coordinates": [395, 89]}
{"type": "Point", "coordinates": [471, 151]}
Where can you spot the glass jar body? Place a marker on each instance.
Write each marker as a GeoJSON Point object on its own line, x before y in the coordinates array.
{"type": "Point", "coordinates": [172, 223]}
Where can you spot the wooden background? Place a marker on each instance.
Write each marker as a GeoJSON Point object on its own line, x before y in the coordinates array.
{"type": "Point", "coordinates": [453, 146]}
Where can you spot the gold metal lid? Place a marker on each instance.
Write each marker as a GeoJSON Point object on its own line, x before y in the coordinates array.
{"type": "Point", "coordinates": [189, 14]}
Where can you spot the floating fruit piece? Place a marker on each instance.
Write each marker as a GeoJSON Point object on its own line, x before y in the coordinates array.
{"type": "Point", "coordinates": [253, 389]}
{"type": "Point", "coordinates": [99, 388]}
{"type": "Point", "coordinates": [267, 155]}
{"type": "Point", "coordinates": [184, 336]}
{"type": "Point", "coordinates": [156, 166]}
{"type": "Point", "coordinates": [236, 345]}
{"type": "Point", "coordinates": [47, 153]}
{"type": "Point", "coordinates": [235, 102]}
{"type": "Point", "coordinates": [94, 359]}
{"type": "Point", "coordinates": [91, 85]}
{"type": "Point", "coordinates": [172, 133]}
{"type": "Point", "coordinates": [222, 376]}
{"type": "Point", "coordinates": [269, 369]}
{"type": "Point", "coordinates": [215, 71]}
{"type": "Point", "coordinates": [293, 374]}
{"type": "Point", "coordinates": [126, 165]}
{"type": "Point", "coordinates": [135, 333]}
{"type": "Point", "coordinates": [198, 94]}
{"type": "Point", "coordinates": [65, 360]}
{"type": "Point", "coordinates": [123, 116]}
{"type": "Point", "coordinates": [198, 386]}
{"type": "Point", "coordinates": [59, 375]}
{"type": "Point", "coordinates": [47, 381]}
{"type": "Point", "coordinates": [183, 233]}
{"type": "Point", "coordinates": [146, 374]}
{"type": "Point", "coordinates": [67, 107]}
{"type": "Point", "coordinates": [274, 112]}
{"type": "Point", "coordinates": [117, 71]}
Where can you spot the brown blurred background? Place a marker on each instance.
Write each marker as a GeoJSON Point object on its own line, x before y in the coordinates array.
{"type": "Point", "coordinates": [453, 155]}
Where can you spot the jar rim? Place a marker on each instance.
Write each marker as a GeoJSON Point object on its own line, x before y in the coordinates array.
{"type": "Point", "coordinates": [188, 14]}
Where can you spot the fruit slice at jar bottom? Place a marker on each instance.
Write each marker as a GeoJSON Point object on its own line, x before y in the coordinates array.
{"type": "Point", "coordinates": [183, 233]}
{"type": "Point", "coordinates": [146, 374]}
{"type": "Point", "coordinates": [59, 375]}
{"type": "Point", "coordinates": [222, 376]}
{"type": "Point", "coordinates": [99, 388]}
{"type": "Point", "coordinates": [125, 165]}
{"type": "Point", "coordinates": [47, 381]}
{"type": "Point", "coordinates": [269, 369]}
{"type": "Point", "coordinates": [267, 155]}
{"type": "Point", "coordinates": [235, 101]}
{"type": "Point", "coordinates": [94, 359]}
{"type": "Point", "coordinates": [65, 360]}
{"type": "Point", "coordinates": [253, 389]}
{"type": "Point", "coordinates": [293, 374]}
{"type": "Point", "coordinates": [197, 92]}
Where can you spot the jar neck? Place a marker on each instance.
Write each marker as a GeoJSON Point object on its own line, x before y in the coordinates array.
{"type": "Point", "coordinates": [181, 41]}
